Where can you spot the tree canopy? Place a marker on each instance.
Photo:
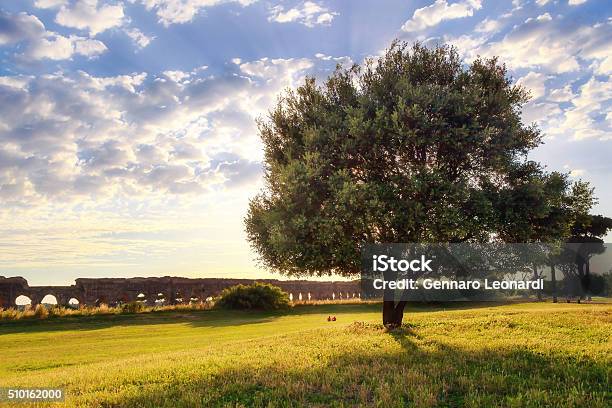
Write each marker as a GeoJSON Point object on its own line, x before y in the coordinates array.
{"type": "Point", "coordinates": [414, 146]}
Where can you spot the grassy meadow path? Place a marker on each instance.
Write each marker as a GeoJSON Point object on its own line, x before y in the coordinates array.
{"type": "Point", "coordinates": [519, 355]}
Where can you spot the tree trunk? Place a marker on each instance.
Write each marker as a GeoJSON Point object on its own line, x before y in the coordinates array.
{"type": "Point", "coordinates": [388, 306]}
{"type": "Point", "coordinates": [553, 281]}
{"type": "Point", "coordinates": [537, 276]}
{"type": "Point", "coordinates": [398, 313]}
{"type": "Point", "coordinates": [587, 278]}
{"type": "Point", "coordinates": [580, 265]}
{"type": "Point", "coordinates": [393, 313]}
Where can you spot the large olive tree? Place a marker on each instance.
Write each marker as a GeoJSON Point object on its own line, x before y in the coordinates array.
{"type": "Point", "coordinates": [414, 146]}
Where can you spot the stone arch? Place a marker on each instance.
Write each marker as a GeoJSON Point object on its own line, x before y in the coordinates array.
{"type": "Point", "coordinates": [178, 297]}
{"type": "Point", "coordinates": [23, 301]}
{"type": "Point", "coordinates": [49, 299]}
{"type": "Point", "coordinates": [161, 299]}
{"type": "Point", "coordinates": [74, 303]}
{"type": "Point", "coordinates": [196, 296]}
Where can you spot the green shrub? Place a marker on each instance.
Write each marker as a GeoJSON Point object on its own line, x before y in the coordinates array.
{"type": "Point", "coordinates": [261, 296]}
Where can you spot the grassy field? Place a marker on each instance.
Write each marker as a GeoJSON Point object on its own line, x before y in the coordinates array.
{"type": "Point", "coordinates": [514, 355]}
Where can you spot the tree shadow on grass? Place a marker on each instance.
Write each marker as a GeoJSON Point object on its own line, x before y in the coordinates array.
{"type": "Point", "coordinates": [418, 373]}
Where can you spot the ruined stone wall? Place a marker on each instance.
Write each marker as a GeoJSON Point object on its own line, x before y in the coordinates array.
{"type": "Point", "coordinates": [89, 291]}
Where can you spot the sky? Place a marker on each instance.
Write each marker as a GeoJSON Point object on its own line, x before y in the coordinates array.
{"type": "Point", "coordinates": [128, 143]}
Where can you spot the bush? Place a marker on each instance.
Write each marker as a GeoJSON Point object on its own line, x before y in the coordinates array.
{"type": "Point", "coordinates": [41, 312]}
{"type": "Point", "coordinates": [11, 314]}
{"type": "Point", "coordinates": [262, 296]}
{"type": "Point", "coordinates": [58, 311]}
{"type": "Point", "coordinates": [132, 307]}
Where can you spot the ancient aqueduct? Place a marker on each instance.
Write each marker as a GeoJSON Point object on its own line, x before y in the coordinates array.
{"type": "Point", "coordinates": [94, 291]}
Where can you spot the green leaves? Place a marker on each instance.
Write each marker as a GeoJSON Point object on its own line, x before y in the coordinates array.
{"type": "Point", "coordinates": [413, 147]}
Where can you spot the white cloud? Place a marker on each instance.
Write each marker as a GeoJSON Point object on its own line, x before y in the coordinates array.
{"type": "Point", "coordinates": [43, 44]}
{"type": "Point", "coordinates": [534, 82]}
{"type": "Point", "coordinates": [542, 2]}
{"type": "Point", "coordinates": [64, 138]}
{"type": "Point", "coordinates": [86, 15]}
{"type": "Point", "coordinates": [488, 26]}
{"type": "Point", "coordinates": [141, 40]}
{"type": "Point", "coordinates": [277, 70]}
{"type": "Point", "coordinates": [604, 67]}
{"type": "Point", "coordinates": [576, 2]}
{"type": "Point", "coordinates": [550, 46]}
{"type": "Point", "coordinates": [308, 13]}
{"type": "Point", "coordinates": [183, 11]}
{"type": "Point", "coordinates": [19, 27]}
{"type": "Point", "coordinates": [440, 11]}
{"type": "Point", "coordinates": [46, 4]}
{"type": "Point", "coordinates": [539, 112]}
{"type": "Point", "coordinates": [575, 173]}
{"type": "Point", "coordinates": [466, 44]}
{"type": "Point", "coordinates": [554, 45]}
{"type": "Point", "coordinates": [88, 47]}
{"type": "Point", "coordinates": [127, 82]}
{"type": "Point", "coordinates": [583, 119]}
{"type": "Point", "coordinates": [57, 47]}
{"type": "Point", "coordinates": [564, 94]}
{"type": "Point", "coordinates": [580, 120]}
{"type": "Point", "coordinates": [18, 82]}
{"type": "Point", "coordinates": [544, 17]}
{"type": "Point", "coordinates": [345, 60]}
{"type": "Point", "coordinates": [177, 76]}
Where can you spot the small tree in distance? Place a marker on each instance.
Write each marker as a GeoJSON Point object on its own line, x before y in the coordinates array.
{"type": "Point", "coordinates": [413, 147]}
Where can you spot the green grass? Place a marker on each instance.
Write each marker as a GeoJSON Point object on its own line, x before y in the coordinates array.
{"type": "Point", "coordinates": [513, 355]}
